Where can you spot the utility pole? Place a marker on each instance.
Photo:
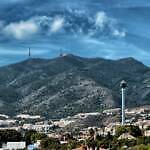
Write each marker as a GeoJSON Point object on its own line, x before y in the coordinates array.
{"type": "Point", "coordinates": [29, 52]}
{"type": "Point", "coordinates": [123, 86]}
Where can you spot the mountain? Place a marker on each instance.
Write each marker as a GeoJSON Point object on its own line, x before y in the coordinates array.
{"type": "Point", "coordinates": [68, 85]}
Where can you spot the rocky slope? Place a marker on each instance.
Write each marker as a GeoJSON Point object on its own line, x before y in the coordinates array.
{"type": "Point", "coordinates": [70, 84]}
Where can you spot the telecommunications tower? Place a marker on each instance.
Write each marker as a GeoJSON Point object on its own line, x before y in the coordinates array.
{"type": "Point", "coordinates": [123, 86]}
{"type": "Point", "coordinates": [29, 52]}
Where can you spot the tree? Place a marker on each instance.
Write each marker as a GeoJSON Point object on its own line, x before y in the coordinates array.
{"type": "Point", "coordinates": [72, 144]}
{"type": "Point", "coordinates": [109, 136]}
{"type": "Point", "coordinates": [143, 140]}
{"type": "Point", "coordinates": [120, 130]}
{"type": "Point", "coordinates": [133, 130]}
{"type": "Point", "coordinates": [141, 147]}
{"type": "Point", "coordinates": [28, 135]}
{"type": "Point", "coordinates": [91, 132]}
{"type": "Point", "coordinates": [10, 135]}
{"type": "Point", "coordinates": [38, 136]}
{"type": "Point", "coordinates": [50, 144]}
{"type": "Point", "coordinates": [32, 136]}
{"type": "Point", "coordinates": [91, 143]}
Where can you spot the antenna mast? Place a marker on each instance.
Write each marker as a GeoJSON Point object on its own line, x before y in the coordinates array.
{"type": "Point", "coordinates": [123, 85]}
{"type": "Point", "coordinates": [29, 52]}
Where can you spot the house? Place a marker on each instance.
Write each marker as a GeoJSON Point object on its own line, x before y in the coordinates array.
{"type": "Point", "coordinates": [126, 136]}
{"type": "Point", "coordinates": [15, 145]}
{"type": "Point", "coordinates": [147, 133]}
{"type": "Point", "coordinates": [112, 111]}
{"type": "Point", "coordinates": [38, 128]}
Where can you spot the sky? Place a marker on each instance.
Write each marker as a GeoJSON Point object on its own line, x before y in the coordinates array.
{"type": "Point", "coordinates": [111, 29]}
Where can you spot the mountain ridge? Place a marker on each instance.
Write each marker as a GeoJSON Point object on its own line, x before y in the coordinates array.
{"type": "Point", "coordinates": [71, 84]}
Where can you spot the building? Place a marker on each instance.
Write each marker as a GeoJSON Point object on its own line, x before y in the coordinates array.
{"type": "Point", "coordinates": [38, 128]}
{"type": "Point", "coordinates": [14, 146]}
{"type": "Point", "coordinates": [126, 136]}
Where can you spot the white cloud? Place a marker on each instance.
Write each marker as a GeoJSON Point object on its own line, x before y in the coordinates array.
{"type": "Point", "coordinates": [97, 26]}
{"type": "Point", "coordinates": [21, 30]}
{"type": "Point", "coordinates": [42, 20]}
{"type": "Point", "coordinates": [100, 19]}
{"type": "Point", "coordinates": [37, 24]}
{"type": "Point", "coordinates": [107, 25]}
{"type": "Point", "coordinates": [57, 24]}
{"type": "Point", "coordinates": [118, 33]}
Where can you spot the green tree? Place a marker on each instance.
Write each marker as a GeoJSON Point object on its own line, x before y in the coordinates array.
{"type": "Point", "coordinates": [50, 144]}
{"type": "Point", "coordinates": [91, 132]}
{"type": "Point", "coordinates": [73, 144]}
{"type": "Point", "coordinates": [141, 147]}
{"type": "Point", "coordinates": [91, 143]}
{"type": "Point", "coordinates": [133, 130]}
{"type": "Point", "coordinates": [143, 140]}
{"type": "Point", "coordinates": [38, 136]}
{"type": "Point", "coordinates": [10, 135]}
{"type": "Point", "coordinates": [28, 135]}
{"type": "Point", "coordinates": [120, 130]}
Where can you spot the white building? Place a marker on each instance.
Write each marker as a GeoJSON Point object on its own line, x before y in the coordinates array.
{"type": "Point", "coordinates": [26, 116]}
{"type": "Point", "coordinates": [15, 146]}
{"type": "Point", "coordinates": [38, 128]}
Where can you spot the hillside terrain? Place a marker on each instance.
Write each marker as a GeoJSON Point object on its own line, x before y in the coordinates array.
{"type": "Point", "coordinates": [67, 85]}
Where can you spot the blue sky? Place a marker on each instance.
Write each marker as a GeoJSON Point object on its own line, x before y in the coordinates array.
{"type": "Point", "coordinates": [111, 29]}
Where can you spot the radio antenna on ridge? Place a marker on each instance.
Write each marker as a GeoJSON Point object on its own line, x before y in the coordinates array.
{"type": "Point", "coordinates": [29, 52]}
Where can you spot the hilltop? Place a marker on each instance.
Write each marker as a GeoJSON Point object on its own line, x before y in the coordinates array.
{"type": "Point", "coordinates": [65, 86]}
